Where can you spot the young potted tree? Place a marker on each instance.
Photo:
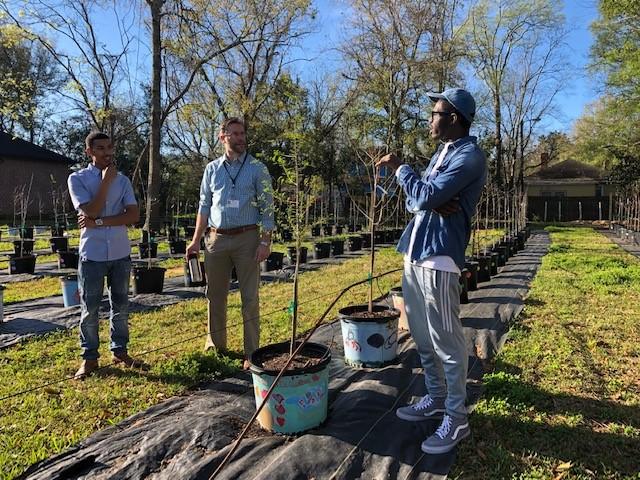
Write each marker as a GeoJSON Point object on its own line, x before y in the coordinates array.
{"type": "Point", "coordinates": [177, 245]}
{"type": "Point", "coordinates": [148, 278]}
{"type": "Point", "coordinates": [299, 401]}
{"type": "Point", "coordinates": [370, 332]}
{"type": "Point", "coordinates": [23, 260]}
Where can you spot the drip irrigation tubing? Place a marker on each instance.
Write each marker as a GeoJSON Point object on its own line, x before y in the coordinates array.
{"type": "Point", "coordinates": [265, 399]}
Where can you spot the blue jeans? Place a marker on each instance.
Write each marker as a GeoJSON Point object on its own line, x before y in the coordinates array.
{"type": "Point", "coordinates": [91, 277]}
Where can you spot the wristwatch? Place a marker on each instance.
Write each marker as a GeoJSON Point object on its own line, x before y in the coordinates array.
{"type": "Point", "coordinates": [99, 222]}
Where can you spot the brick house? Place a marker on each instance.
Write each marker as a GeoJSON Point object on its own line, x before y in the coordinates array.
{"type": "Point", "coordinates": [20, 159]}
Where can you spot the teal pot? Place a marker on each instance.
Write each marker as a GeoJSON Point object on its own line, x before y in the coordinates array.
{"type": "Point", "coordinates": [188, 282]}
{"type": "Point", "coordinates": [59, 244]}
{"type": "Point", "coordinates": [23, 247]}
{"type": "Point", "coordinates": [321, 250]}
{"type": "Point", "coordinates": [464, 286]}
{"type": "Point", "coordinates": [369, 342]}
{"type": "Point", "coordinates": [337, 247]}
{"type": "Point", "coordinates": [472, 267]}
{"type": "Point", "coordinates": [70, 290]}
{"type": "Point", "coordinates": [398, 303]}
{"type": "Point", "coordinates": [148, 280]}
{"type": "Point", "coordinates": [68, 259]}
{"type": "Point", "coordinates": [22, 264]}
{"type": "Point", "coordinates": [484, 268]}
{"type": "Point", "coordinates": [178, 247]}
{"type": "Point", "coordinates": [354, 243]}
{"type": "Point", "coordinates": [273, 262]}
{"type": "Point", "coordinates": [291, 255]}
{"type": "Point", "coordinates": [13, 231]}
{"type": "Point", "coordinates": [146, 251]}
{"type": "Point", "coordinates": [299, 401]}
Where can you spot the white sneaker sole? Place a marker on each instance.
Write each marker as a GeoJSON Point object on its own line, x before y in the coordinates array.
{"type": "Point", "coordinates": [444, 448]}
{"type": "Point", "coordinates": [438, 413]}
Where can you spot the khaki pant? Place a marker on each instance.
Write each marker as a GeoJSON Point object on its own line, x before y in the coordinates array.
{"type": "Point", "coordinates": [222, 253]}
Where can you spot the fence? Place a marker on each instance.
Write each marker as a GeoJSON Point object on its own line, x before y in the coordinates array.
{"type": "Point", "coordinates": [566, 209]}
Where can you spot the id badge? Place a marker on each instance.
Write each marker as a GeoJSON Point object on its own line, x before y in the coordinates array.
{"type": "Point", "coordinates": [233, 203]}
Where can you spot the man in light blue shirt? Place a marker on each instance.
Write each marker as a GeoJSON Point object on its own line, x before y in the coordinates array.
{"type": "Point", "coordinates": [236, 216]}
{"type": "Point", "coordinates": [106, 204]}
{"type": "Point", "coordinates": [443, 202]}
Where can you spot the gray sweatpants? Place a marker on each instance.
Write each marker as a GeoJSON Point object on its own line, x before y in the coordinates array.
{"type": "Point", "coordinates": [432, 303]}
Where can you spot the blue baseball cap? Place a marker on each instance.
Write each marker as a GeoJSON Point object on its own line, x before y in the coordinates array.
{"type": "Point", "coordinates": [459, 98]}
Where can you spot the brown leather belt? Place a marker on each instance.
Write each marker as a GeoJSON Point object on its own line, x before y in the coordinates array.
{"type": "Point", "coordinates": [231, 231]}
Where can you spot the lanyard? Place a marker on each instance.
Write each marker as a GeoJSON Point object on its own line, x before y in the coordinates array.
{"type": "Point", "coordinates": [233, 179]}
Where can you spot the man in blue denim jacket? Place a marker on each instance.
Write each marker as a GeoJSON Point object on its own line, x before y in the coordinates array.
{"type": "Point", "coordinates": [443, 201]}
{"type": "Point", "coordinates": [106, 204]}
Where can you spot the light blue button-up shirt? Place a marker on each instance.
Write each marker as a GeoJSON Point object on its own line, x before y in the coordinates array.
{"type": "Point", "coordinates": [101, 244]}
{"type": "Point", "coordinates": [233, 195]}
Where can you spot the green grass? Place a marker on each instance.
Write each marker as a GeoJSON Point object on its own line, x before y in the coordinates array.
{"type": "Point", "coordinates": [564, 399]}
{"type": "Point", "coordinates": [37, 425]}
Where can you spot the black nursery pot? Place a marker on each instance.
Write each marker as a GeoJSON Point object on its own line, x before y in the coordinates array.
{"type": "Point", "coordinates": [291, 255]}
{"type": "Point", "coordinates": [57, 231]}
{"type": "Point", "coordinates": [273, 262]}
{"type": "Point", "coordinates": [68, 259]}
{"type": "Point", "coordinates": [173, 234]}
{"type": "Point", "coordinates": [148, 280]}
{"type": "Point", "coordinates": [389, 236]}
{"type": "Point", "coordinates": [472, 267]}
{"type": "Point", "coordinates": [144, 250]}
{"type": "Point", "coordinates": [354, 243]}
{"type": "Point", "coordinates": [337, 247]}
{"type": "Point", "coordinates": [315, 231]}
{"type": "Point", "coordinates": [503, 254]}
{"type": "Point", "coordinates": [366, 240]}
{"type": "Point", "coordinates": [59, 244]}
{"type": "Point", "coordinates": [327, 230]}
{"type": "Point", "coordinates": [484, 268]}
{"type": "Point", "coordinates": [23, 247]}
{"type": "Point", "coordinates": [26, 232]}
{"type": "Point", "coordinates": [338, 229]}
{"type": "Point", "coordinates": [521, 238]}
{"type": "Point", "coordinates": [286, 235]}
{"type": "Point", "coordinates": [145, 236]}
{"type": "Point", "coordinates": [351, 228]}
{"type": "Point", "coordinates": [464, 286]}
{"type": "Point", "coordinates": [494, 263]}
{"type": "Point", "coordinates": [379, 236]}
{"type": "Point", "coordinates": [22, 264]}
{"type": "Point", "coordinates": [321, 250]}
{"type": "Point", "coordinates": [189, 231]}
{"type": "Point", "coordinates": [178, 247]}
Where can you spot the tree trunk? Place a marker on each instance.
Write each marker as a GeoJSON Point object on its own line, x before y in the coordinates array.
{"type": "Point", "coordinates": [152, 220]}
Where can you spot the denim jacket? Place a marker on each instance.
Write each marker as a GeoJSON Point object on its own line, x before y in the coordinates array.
{"type": "Point", "coordinates": [462, 173]}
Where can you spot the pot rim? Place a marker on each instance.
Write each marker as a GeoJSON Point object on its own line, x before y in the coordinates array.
{"type": "Point", "coordinates": [283, 347]}
{"type": "Point", "coordinates": [345, 315]}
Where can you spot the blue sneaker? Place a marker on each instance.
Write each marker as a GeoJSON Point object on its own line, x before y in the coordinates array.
{"type": "Point", "coordinates": [425, 409]}
{"type": "Point", "coordinates": [450, 432]}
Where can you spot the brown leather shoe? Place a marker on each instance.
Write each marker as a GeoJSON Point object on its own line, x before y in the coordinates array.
{"type": "Point", "coordinates": [86, 368]}
{"type": "Point", "coordinates": [130, 362]}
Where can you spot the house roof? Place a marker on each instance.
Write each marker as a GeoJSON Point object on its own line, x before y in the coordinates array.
{"type": "Point", "coordinates": [14, 147]}
{"type": "Point", "coordinates": [569, 169]}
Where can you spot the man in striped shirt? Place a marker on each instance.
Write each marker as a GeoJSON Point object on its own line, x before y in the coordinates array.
{"type": "Point", "coordinates": [236, 216]}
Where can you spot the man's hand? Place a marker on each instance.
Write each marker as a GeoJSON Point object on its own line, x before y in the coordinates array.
{"type": "Point", "coordinates": [389, 160]}
{"type": "Point", "coordinates": [85, 221]}
{"type": "Point", "coordinates": [193, 247]}
{"type": "Point", "coordinates": [449, 208]}
{"type": "Point", "coordinates": [109, 172]}
{"type": "Point", "coordinates": [262, 253]}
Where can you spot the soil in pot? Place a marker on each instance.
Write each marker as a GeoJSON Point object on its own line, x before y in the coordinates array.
{"type": "Point", "coordinates": [370, 339]}
{"type": "Point", "coordinates": [22, 264]}
{"type": "Point", "coordinates": [148, 280]}
{"type": "Point", "coordinates": [59, 244]}
{"type": "Point", "coordinates": [300, 399]}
